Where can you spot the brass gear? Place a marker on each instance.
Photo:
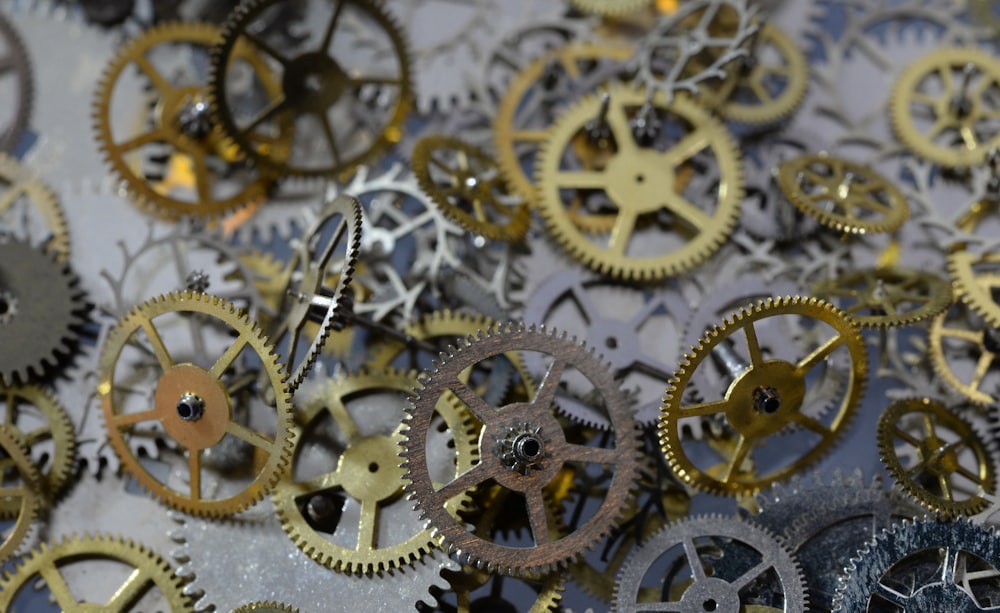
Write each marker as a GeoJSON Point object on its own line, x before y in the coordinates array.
{"type": "Point", "coordinates": [981, 344]}
{"type": "Point", "coordinates": [938, 481]}
{"type": "Point", "coordinates": [179, 121]}
{"type": "Point", "coordinates": [960, 127]}
{"type": "Point", "coordinates": [842, 195]}
{"type": "Point", "coordinates": [17, 183]}
{"type": "Point", "coordinates": [313, 82]}
{"type": "Point", "coordinates": [887, 297]}
{"type": "Point", "coordinates": [465, 184]}
{"type": "Point", "coordinates": [610, 8]}
{"type": "Point", "coordinates": [48, 563]}
{"type": "Point", "coordinates": [193, 404]}
{"type": "Point", "coordinates": [365, 474]}
{"type": "Point", "coordinates": [977, 282]}
{"type": "Point", "coordinates": [765, 398]}
{"type": "Point", "coordinates": [18, 488]}
{"type": "Point", "coordinates": [635, 180]}
{"type": "Point", "coordinates": [266, 607]}
{"type": "Point", "coordinates": [465, 583]}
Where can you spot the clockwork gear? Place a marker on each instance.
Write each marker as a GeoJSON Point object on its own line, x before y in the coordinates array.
{"type": "Point", "coordinates": [887, 296]}
{"type": "Point", "coordinates": [16, 70]}
{"type": "Point", "coordinates": [29, 209]}
{"type": "Point", "coordinates": [964, 352]}
{"type": "Point", "coordinates": [474, 590]}
{"type": "Point", "coordinates": [19, 491]}
{"type": "Point", "coordinates": [977, 281]}
{"type": "Point", "coordinates": [610, 8]}
{"type": "Point", "coordinates": [266, 607]}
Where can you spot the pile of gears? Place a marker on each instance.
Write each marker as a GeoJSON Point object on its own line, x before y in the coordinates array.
{"type": "Point", "coordinates": [499, 305]}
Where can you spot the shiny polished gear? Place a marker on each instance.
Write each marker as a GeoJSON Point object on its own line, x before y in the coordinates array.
{"type": "Point", "coordinates": [842, 195]}
{"type": "Point", "coordinates": [887, 297]}
{"type": "Point", "coordinates": [465, 184]}
{"type": "Point", "coordinates": [958, 338]}
{"type": "Point", "coordinates": [30, 211]}
{"type": "Point", "coordinates": [766, 397]}
{"type": "Point", "coordinates": [523, 448]}
{"type": "Point", "coordinates": [291, 132]}
{"type": "Point", "coordinates": [15, 69]}
{"type": "Point", "coordinates": [944, 106]}
{"type": "Point", "coordinates": [658, 231]}
{"type": "Point", "coordinates": [19, 483]}
{"type": "Point", "coordinates": [977, 282]}
{"type": "Point", "coordinates": [194, 405]}
{"type": "Point", "coordinates": [936, 456]}
{"type": "Point", "coordinates": [149, 585]}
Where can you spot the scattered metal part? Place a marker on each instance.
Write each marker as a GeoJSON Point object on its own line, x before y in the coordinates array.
{"type": "Point", "coordinates": [19, 486]}
{"type": "Point", "coordinates": [16, 65]}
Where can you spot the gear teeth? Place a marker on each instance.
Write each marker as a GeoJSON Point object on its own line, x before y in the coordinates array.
{"type": "Point", "coordinates": [974, 295]}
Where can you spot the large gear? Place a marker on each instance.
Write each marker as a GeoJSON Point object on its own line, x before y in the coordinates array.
{"type": "Point", "coordinates": [30, 211]}
{"type": "Point", "coordinates": [41, 310]}
{"type": "Point", "coordinates": [522, 448]}
{"type": "Point", "coordinates": [958, 338]}
{"type": "Point", "coordinates": [888, 296]}
{"type": "Point", "coordinates": [19, 490]}
{"type": "Point", "coordinates": [16, 64]}
{"type": "Point", "coordinates": [658, 231]}
{"type": "Point", "coordinates": [193, 402]}
{"type": "Point", "coordinates": [977, 281]}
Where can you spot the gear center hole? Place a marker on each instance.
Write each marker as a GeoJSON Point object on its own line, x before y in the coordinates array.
{"type": "Point", "coordinates": [611, 342]}
{"type": "Point", "coordinates": [640, 178]}
{"type": "Point", "coordinates": [373, 467]}
{"type": "Point", "coordinates": [710, 605]}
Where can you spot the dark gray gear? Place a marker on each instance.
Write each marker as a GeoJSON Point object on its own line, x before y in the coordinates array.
{"type": "Point", "coordinates": [15, 60]}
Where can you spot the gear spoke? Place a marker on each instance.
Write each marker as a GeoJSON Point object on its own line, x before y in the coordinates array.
{"type": "Point", "coordinates": [734, 463]}
{"type": "Point", "coordinates": [266, 47]}
{"type": "Point", "coordinates": [194, 473]}
{"type": "Point", "coordinates": [477, 405]}
{"type": "Point", "coordinates": [368, 526]}
{"type": "Point", "coordinates": [819, 354]}
{"type": "Point", "coordinates": [250, 436]}
{"type": "Point", "coordinates": [226, 359]}
{"type": "Point", "coordinates": [130, 591]}
{"type": "Point", "coordinates": [153, 74]}
{"type": "Point", "coordinates": [467, 481]}
{"type": "Point", "coordinates": [589, 455]}
{"type": "Point", "coordinates": [546, 394]}
{"type": "Point", "coordinates": [58, 587]}
{"type": "Point", "coordinates": [331, 27]}
{"type": "Point", "coordinates": [538, 515]}
{"type": "Point", "coordinates": [130, 419]}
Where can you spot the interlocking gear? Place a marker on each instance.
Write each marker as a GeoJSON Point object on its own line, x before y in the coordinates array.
{"type": "Point", "coordinates": [958, 338]}
{"type": "Point", "coordinates": [30, 211]}
{"type": "Point", "coordinates": [977, 281]}
{"type": "Point", "coordinates": [887, 297]}
{"type": "Point", "coordinates": [19, 483]}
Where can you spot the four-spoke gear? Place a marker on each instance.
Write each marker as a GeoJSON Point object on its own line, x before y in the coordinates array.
{"type": "Point", "coordinates": [887, 297]}
{"type": "Point", "coordinates": [19, 482]}
{"type": "Point", "coordinates": [954, 340]}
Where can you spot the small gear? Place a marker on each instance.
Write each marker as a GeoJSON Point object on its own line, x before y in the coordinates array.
{"type": "Point", "coordinates": [887, 297]}
{"type": "Point", "coordinates": [30, 211]}
{"type": "Point", "coordinates": [19, 490]}
{"type": "Point", "coordinates": [18, 65]}
{"type": "Point", "coordinates": [977, 282]}
{"type": "Point", "coordinates": [952, 462]}
{"type": "Point", "coordinates": [610, 8]}
{"type": "Point", "coordinates": [41, 309]}
{"type": "Point", "coordinates": [958, 338]}
{"type": "Point", "coordinates": [150, 584]}
{"type": "Point", "coordinates": [944, 106]}
{"type": "Point", "coordinates": [474, 590]}
{"type": "Point", "coordinates": [465, 184]}
{"type": "Point", "coordinates": [266, 607]}
{"type": "Point", "coordinates": [844, 196]}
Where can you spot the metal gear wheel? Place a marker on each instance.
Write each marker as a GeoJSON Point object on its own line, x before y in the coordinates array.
{"type": "Point", "coordinates": [150, 584]}
{"type": "Point", "coordinates": [657, 232]}
{"type": "Point", "coordinates": [29, 209]}
{"type": "Point", "coordinates": [41, 309]}
{"type": "Point", "coordinates": [977, 282]}
{"type": "Point", "coordinates": [19, 490]}
{"type": "Point", "coordinates": [887, 297]}
{"type": "Point", "coordinates": [319, 77]}
{"type": "Point", "coordinates": [958, 338]}
{"type": "Point", "coordinates": [765, 398]}
{"type": "Point", "coordinates": [769, 577]}
{"type": "Point", "coordinates": [266, 607]}
{"type": "Point", "coordinates": [17, 65]}
{"type": "Point", "coordinates": [610, 8]}
{"type": "Point", "coordinates": [545, 455]}
{"type": "Point", "coordinates": [197, 395]}
{"type": "Point", "coordinates": [477, 590]}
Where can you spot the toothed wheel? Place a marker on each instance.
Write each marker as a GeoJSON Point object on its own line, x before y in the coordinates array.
{"type": "Point", "coordinates": [16, 64]}
{"type": "Point", "coordinates": [30, 211]}
{"type": "Point", "coordinates": [19, 483]}
{"type": "Point", "coordinates": [266, 607]}
{"type": "Point", "coordinates": [887, 297]}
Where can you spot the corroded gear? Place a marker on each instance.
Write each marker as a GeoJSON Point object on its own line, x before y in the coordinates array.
{"type": "Point", "coordinates": [977, 282]}
{"type": "Point", "coordinates": [203, 176]}
{"type": "Point", "coordinates": [357, 476]}
{"type": "Point", "coordinates": [610, 8]}
{"type": "Point", "coordinates": [887, 297]}
{"type": "Point", "coordinates": [465, 184]}
{"type": "Point", "coordinates": [193, 404]}
{"type": "Point", "coordinates": [21, 189]}
{"type": "Point", "coordinates": [545, 454]}
{"type": "Point", "coordinates": [844, 196]}
{"type": "Point", "coordinates": [959, 336]}
{"type": "Point", "coordinates": [266, 607]}
{"type": "Point", "coordinates": [474, 590]}
{"type": "Point", "coordinates": [954, 90]}
{"type": "Point", "coordinates": [315, 84]}
{"type": "Point", "coordinates": [765, 397]}
{"type": "Point", "coordinates": [680, 234]}
{"type": "Point", "coordinates": [41, 309]}
{"type": "Point", "coordinates": [19, 490]}
{"type": "Point", "coordinates": [17, 61]}
{"type": "Point", "coordinates": [953, 462]}
{"type": "Point", "coordinates": [49, 563]}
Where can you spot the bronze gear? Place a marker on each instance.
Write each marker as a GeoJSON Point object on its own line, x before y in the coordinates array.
{"type": "Point", "coordinates": [19, 483]}
{"type": "Point", "coordinates": [886, 297]}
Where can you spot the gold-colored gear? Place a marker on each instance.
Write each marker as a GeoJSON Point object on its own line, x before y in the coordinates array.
{"type": "Point", "coordinates": [193, 405]}
{"type": "Point", "coordinates": [465, 184]}
{"type": "Point", "coordinates": [642, 183]}
{"type": "Point", "coordinates": [366, 471]}
{"type": "Point", "coordinates": [977, 282]}
{"type": "Point", "coordinates": [17, 182]}
{"type": "Point", "coordinates": [956, 122]}
{"type": "Point", "coordinates": [765, 399]}
{"type": "Point", "coordinates": [266, 607]}
{"type": "Point", "coordinates": [844, 196]}
{"type": "Point", "coordinates": [467, 581]}
{"type": "Point", "coordinates": [48, 564]}
{"type": "Point", "coordinates": [19, 489]}
{"type": "Point", "coordinates": [942, 440]}
{"type": "Point", "coordinates": [981, 344]}
{"type": "Point", "coordinates": [887, 297]}
{"type": "Point", "coordinates": [189, 187]}
{"type": "Point", "coordinates": [610, 8]}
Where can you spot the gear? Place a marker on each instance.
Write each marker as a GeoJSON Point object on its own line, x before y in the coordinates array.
{"type": "Point", "coordinates": [766, 397]}
{"type": "Point", "coordinates": [18, 490]}
{"type": "Point", "coordinates": [41, 309]}
{"type": "Point", "coordinates": [841, 195]}
{"type": "Point", "coordinates": [266, 607]}
{"type": "Point", "coordinates": [317, 80]}
{"type": "Point", "coordinates": [610, 8]}
{"type": "Point", "coordinates": [150, 584]}
{"type": "Point", "coordinates": [465, 184]}
{"type": "Point", "coordinates": [192, 402]}
{"type": "Point", "coordinates": [924, 566]}
{"type": "Point", "coordinates": [542, 447]}
{"type": "Point", "coordinates": [349, 514]}
{"type": "Point", "coordinates": [953, 88]}
{"type": "Point", "coordinates": [977, 282]}
{"type": "Point", "coordinates": [648, 205]}
{"type": "Point", "coordinates": [17, 64]}
{"type": "Point", "coordinates": [29, 209]}
{"type": "Point", "coordinates": [769, 577]}
{"type": "Point", "coordinates": [477, 590]}
{"type": "Point", "coordinates": [887, 297]}
{"type": "Point", "coordinates": [955, 339]}
{"type": "Point", "coordinates": [952, 462]}
{"type": "Point", "coordinates": [202, 176]}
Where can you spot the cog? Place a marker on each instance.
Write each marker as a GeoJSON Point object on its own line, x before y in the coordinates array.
{"type": "Point", "coordinates": [19, 490]}
{"type": "Point", "coordinates": [977, 282]}
{"type": "Point", "coordinates": [266, 607]}
{"type": "Point", "coordinates": [887, 297]}
{"type": "Point", "coordinates": [18, 65]}
{"type": "Point", "coordinates": [474, 590]}
{"type": "Point", "coordinates": [958, 338]}
{"type": "Point", "coordinates": [29, 209]}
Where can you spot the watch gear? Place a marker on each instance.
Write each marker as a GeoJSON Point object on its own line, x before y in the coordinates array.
{"type": "Point", "coordinates": [149, 583]}
{"type": "Point", "coordinates": [955, 91]}
{"type": "Point", "coordinates": [759, 571]}
{"type": "Point", "coordinates": [958, 338]}
{"type": "Point", "coordinates": [610, 8]}
{"type": "Point", "coordinates": [197, 396]}
{"type": "Point", "coordinates": [842, 195]}
{"type": "Point", "coordinates": [18, 65]}
{"type": "Point", "coordinates": [765, 398]}
{"type": "Point", "coordinates": [474, 590]}
{"type": "Point", "coordinates": [266, 607]}
{"type": "Point", "coordinates": [41, 310]}
{"type": "Point", "coordinates": [657, 232]}
{"type": "Point", "coordinates": [937, 457]}
{"type": "Point", "coordinates": [29, 209]}
{"type": "Point", "coordinates": [19, 490]}
{"type": "Point", "coordinates": [465, 184]}
{"type": "Point", "coordinates": [318, 78]}
{"type": "Point", "coordinates": [887, 296]}
{"type": "Point", "coordinates": [977, 282]}
{"type": "Point", "coordinates": [201, 174]}
{"type": "Point", "coordinates": [541, 447]}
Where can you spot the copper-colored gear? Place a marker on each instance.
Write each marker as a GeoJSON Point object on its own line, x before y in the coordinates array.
{"type": "Point", "coordinates": [980, 343]}
{"type": "Point", "coordinates": [887, 297]}
{"type": "Point", "coordinates": [192, 404]}
{"type": "Point", "coordinates": [19, 482]}
{"type": "Point", "coordinates": [977, 282]}
{"type": "Point", "coordinates": [19, 182]}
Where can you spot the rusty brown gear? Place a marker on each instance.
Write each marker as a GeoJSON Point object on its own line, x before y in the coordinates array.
{"type": "Point", "coordinates": [523, 448]}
